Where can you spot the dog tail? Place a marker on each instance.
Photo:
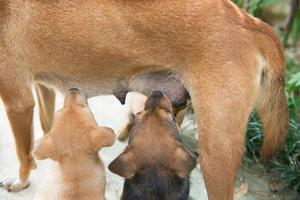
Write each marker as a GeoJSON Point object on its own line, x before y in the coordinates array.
{"type": "Point", "coordinates": [272, 105]}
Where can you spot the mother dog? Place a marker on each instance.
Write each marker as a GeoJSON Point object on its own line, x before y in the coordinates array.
{"type": "Point", "coordinates": [229, 62]}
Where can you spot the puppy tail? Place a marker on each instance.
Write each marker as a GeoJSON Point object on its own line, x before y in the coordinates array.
{"type": "Point", "coordinates": [272, 108]}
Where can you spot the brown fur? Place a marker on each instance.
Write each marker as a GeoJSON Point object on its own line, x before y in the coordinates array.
{"type": "Point", "coordinates": [218, 52]}
{"type": "Point", "coordinates": [74, 141]}
{"type": "Point", "coordinates": [46, 99]}
{"type": "Point", "coordinates": [155, 164]}
{"type": "Point", "coordinates": [135, 104]}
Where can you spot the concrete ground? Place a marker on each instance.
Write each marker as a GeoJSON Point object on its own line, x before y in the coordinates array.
{"type": "Point", "coordinates": [109, 112]}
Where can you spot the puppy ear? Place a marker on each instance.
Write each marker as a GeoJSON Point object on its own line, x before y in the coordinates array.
{"type": "Point", "coordinates": [183, 163]}
{"type": "Point", "coordinates": [124, 165]}
{"type": "Point", "coordinates": [44, 148]}
{"type": "Point", "coordinates": [102, 137]}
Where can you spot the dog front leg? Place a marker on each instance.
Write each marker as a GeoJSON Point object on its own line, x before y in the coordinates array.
{"type": "Point", "coordinates": [19, 104]}
{"type": "Point", "coordinates": [222, 103]}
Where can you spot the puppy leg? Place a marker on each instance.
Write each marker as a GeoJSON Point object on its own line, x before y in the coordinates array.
{"type": "Point", "coordinates": [46, 99]}
{"type": "Point", "coordinates": [124, 133]}
{"type": "Point", "coordinates": [222, 103]}
{"type": "Point", "coordinates": [19, 103]}
{"type": "Point", "coordinates": [135, 103]}
{"type": "Point", "coordinates": [180, 116]}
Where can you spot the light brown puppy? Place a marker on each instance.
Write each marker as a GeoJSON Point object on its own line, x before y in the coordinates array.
{"type": "Point", "coordinates": [229, 62]}
{"type": "Point", "coordinates": [74, 141]}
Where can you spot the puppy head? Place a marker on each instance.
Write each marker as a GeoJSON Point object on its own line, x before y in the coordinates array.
{"type": "Point", "coordinates": [155, 160]}
{"type": "Point", "coordinates": [74, 132]}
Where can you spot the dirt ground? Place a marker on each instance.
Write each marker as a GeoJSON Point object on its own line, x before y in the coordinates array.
{"type": "Point", "coordinates": [252, 184]}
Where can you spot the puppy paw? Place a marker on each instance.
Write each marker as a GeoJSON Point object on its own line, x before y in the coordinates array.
{"type": "Point", "coordinates": [33, 164]}
{"type": "Point", "coordinates": [123, 135]}
{"type": "Point", "coordinates": [14, 185]}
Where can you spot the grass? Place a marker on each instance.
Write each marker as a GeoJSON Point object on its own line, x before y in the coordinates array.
{"type": "Point", "coordinates": [287, 163]}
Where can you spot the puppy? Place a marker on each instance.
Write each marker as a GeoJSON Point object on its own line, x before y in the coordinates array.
{"type": "Point", "coordinates": [155, 164]}
{"type": "Point", "coordinates": [74, 141]}
{"type": "Point", "coordinates": [135, 103]}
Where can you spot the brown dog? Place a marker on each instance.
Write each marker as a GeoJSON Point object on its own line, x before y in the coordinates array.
{"type": "Point", "coordinates": [74, 141]}
{"type": "Point", "coordinates": [229, 62]}
{"type": "Point", "coordinates": [155, 164]}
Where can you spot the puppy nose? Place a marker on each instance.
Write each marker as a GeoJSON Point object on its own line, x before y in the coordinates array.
{"type": "Point", "coordinates": [73, 90]}
{"type": "Point", "coordinates": [156, 95]}
{"type": "Point", "coordinates": [154, 100]}
{"type": "Point", "coordinates": [75, 97]}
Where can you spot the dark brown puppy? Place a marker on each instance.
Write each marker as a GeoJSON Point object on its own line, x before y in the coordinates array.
{"type": "Point", "coordinates": [155, 164]}
{"type": "Point", "coordinates": [135, 103]}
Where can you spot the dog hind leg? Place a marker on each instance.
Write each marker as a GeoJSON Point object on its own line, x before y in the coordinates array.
{"type": "Point", "coordinates": [222, 103]}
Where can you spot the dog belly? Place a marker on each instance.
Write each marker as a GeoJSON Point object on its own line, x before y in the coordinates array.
{"type": "Point", "coordinates": [164, 81]}
{"type": "Point", "coordinates": [89, 85]}
{"type": "Point", "coordinates": [144, 83]}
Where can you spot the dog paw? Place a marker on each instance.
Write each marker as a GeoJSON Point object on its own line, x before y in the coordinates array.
{"type": "Point", "coordinates": [14, 185]}
{"type": "Point", "coordinates": [123, 134]}
{"type": "Point", "coordinates": [122, 137]}
{"type": "Point", "coordinates": [33, 164]}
